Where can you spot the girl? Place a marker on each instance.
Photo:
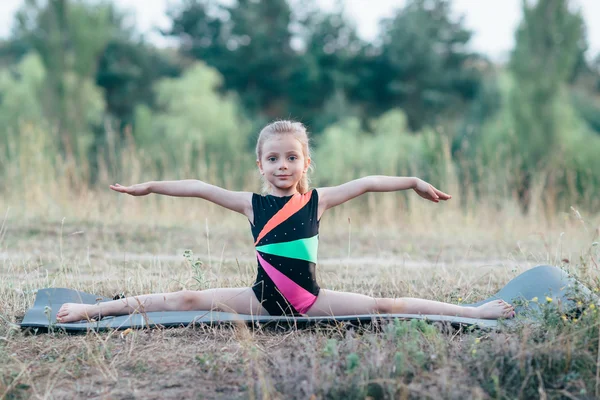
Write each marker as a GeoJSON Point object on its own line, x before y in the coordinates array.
{"type": "Point", "coordinates": [285, 225]}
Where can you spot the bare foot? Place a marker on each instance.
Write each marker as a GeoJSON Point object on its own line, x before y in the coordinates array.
{"type": "Point", "coordinates": [70, 312]}
{"type": "Point", "coordinates": [495, 309]}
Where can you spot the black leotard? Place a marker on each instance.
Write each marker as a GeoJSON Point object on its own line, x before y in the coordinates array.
{"type": "Point", "coordinates": [286, 238]}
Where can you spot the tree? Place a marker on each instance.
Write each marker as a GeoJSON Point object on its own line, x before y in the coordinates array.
{"type": "Point", "coordinates": [68, 36]}
{"type": "Point", "coordinates": [127, 71]}
{"type": "Point", "coordinates": [195, 120]}
{"type": "Point", "coordinates": [247, 42]}
{"type": "Point", "coordinates": [547, 46]}
{"type": "Point", "coordinates": [324, 74]}
{"type": "Point", "coordinates": [80, 43]}
{"type": "Point", "coordinates": [422, 65]}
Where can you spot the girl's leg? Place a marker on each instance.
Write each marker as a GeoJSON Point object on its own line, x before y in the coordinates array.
{"type": "Point", "coordinates": [237, 300]}
{"type": "Point", "coordinates": [330, 302]}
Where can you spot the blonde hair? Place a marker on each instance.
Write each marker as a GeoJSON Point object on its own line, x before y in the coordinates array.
{"type": "Point", "coordinates": [280, 128]}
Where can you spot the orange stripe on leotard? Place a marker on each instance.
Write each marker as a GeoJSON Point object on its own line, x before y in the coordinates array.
{"type": "Point", "coordinates": [290, 208]}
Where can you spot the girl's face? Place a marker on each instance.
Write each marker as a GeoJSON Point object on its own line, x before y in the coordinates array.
{"type": "Point", "coordinates": [283, 163]}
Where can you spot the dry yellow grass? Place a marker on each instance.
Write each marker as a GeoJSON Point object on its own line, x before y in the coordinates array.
{"type": "Point", "coordinates": [106, 243]}
{"type": "Point", "coordinates": [57, 232]}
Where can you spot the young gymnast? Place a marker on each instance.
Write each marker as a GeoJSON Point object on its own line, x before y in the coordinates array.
{"type": "Point", "coordinates": [285, 225]}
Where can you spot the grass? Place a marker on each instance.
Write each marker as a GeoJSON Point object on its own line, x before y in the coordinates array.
{"type": "Point", "coordinates": [433, 251]}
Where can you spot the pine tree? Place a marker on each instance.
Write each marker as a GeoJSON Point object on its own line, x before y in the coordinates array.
{"type": "Point", "coordinates": [248, 42]}
{"type": "Point", "coordinates": [423, 64]}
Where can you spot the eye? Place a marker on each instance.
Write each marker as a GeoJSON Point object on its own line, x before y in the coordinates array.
{"type": "Point", "coordinates": [292, 158]}
{"type": "Point", "coordinates": [272, 159]}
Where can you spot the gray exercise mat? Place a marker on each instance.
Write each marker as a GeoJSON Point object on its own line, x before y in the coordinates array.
{"type": "Point", "coordinates": [537, 282]}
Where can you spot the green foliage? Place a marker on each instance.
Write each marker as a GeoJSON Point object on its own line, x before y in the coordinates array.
{"type": "Point", "coordinates": [68, 36]}
{"type": "Point", "coordinates": [548, 40]}
{"type": "Point", "coordinates": [325, 72]}
{"type": "Point", "coordinates": [22, 91]}
{"type": "Point", "coordinates": [581, 162]}
{"type": "Point", "coordinates": [420, 65]}
{"type": "Point", "coordinates": [195, 120]}
{"type": "Point", "coordinates": [559, 354]}
{"type": "Point", "coordinates": [528, 136]}
{"type": "Point", "coordinates": [345, 151]}
{"type": "Point", "coordinates": [127, 71]}
{"type": "Point", "coordinates": [250, 47]}
{"type": "Point", "coordinates": [567, 176]}
{"type": "Point", "coordinates": [197, 270]}
{"type": "Point", "coordinates": [391, 106]}
{"type": "Point", "coordinates": [334, 110]}
{"type": "Point", "coordinates": [486, 105]}
{"type": "Point", "coordinates": [26, 106]}
{"type": "Point", "coordinates": [423, 66]}
{"type": "Point", "coordinates": [588, 108]}
{"type": "Point", "coordinates": [78, 42]}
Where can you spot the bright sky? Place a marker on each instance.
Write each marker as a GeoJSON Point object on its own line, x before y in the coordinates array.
{"type": "Point", "coordinates": [492, 21]}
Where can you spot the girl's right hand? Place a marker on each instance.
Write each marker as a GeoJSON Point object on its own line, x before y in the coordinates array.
{"type": "Point", "coordinates": [141, 189]}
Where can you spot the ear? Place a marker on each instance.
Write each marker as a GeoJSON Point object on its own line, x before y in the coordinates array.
{"type": "Point", "coordinates": [259, 165]}
{"type": "Point", "coordinates": [306, 164]}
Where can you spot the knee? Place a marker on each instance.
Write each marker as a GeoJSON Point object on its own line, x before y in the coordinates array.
{"type": "Point", "coordinates": [389, 306]}
{"type": "Point", "coordinates": [189, 300]}
{"type": "Point", "coordinates": [198, 300]}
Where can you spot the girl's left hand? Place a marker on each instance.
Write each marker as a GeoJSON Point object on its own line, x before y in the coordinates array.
{"type": "Point", "coordinates": [427, 191]}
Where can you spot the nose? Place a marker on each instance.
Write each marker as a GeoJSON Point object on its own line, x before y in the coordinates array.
{"type": "Point", "coordinates": [283, 165]}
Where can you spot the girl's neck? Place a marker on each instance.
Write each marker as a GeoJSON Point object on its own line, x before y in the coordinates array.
{"type": "Point", "coordinates": [283, 193]}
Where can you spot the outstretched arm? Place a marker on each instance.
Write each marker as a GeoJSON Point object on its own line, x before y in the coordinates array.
{"type": "Point", "coordinates": [236, 201]}
{"type": "Point", "coordinates": [330, 197]}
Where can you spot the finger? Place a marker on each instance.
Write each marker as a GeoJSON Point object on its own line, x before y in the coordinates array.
{"type": "Point", "coordinates": [428, 196]}
{"type": "Point", "coordinates": [118, 185]}
{"type": "Point", "coordinates": [433, 195]}
{"type": "Point", "coordinates": [442, 195]}
{"type": "Point", "coordinates": [121, 189]}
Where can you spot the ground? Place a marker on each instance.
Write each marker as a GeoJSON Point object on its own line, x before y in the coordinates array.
{"type": "Point", "coordinates": [453, 259]}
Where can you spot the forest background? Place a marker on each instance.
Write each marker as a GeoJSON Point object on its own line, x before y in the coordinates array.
{"type": "Point", "coordinates": [85, 101]}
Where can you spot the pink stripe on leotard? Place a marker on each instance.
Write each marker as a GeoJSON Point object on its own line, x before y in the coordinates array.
{"type": "Point", "coordinates": [300, 298]}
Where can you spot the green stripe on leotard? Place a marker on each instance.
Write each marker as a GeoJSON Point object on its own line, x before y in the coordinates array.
{"type": "Point", "coordinates": [301, 249]}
